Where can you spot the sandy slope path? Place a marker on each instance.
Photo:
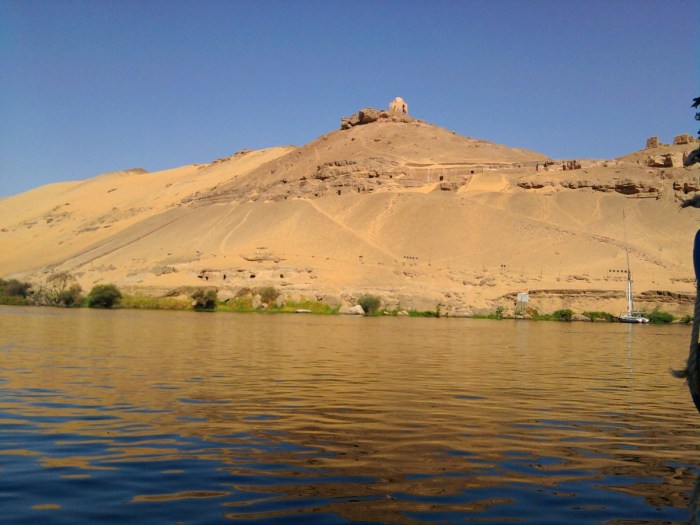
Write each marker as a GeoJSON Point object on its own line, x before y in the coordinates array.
{"type": "Point", "coordinates": [193, 238]}
{"type": "Point", "coordinates": [107, 251]}
{"type": "Point", "coordinates": [362, 238]}
{"type": "Point", "coordinates": [231, 232]}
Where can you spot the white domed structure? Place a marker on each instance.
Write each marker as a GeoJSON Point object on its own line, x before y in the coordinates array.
{"type": "Point", "coordinates": [398, 106]}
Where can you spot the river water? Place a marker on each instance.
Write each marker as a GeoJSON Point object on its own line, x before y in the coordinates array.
{"type": "Point", "coordinates": [182, 417]}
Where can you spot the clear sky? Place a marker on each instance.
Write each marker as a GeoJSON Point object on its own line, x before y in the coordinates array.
{"type": "Point", "coordinates": [88, 87]}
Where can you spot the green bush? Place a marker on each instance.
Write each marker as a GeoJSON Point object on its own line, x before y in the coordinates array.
{"type": "Point", "coordinates": [424, 313]}
{"type": "Point", "coordinates": [60, 289]}
{"type": "Point", "coordinates": [71, 297]}
{"type": "Point", "coordinates": [14, 288]}
{"type": "Point", "coordinates": [369, 303]}
{"type": "Point", "coordinates": [14, 300]}
{"type": "Point", "coordinates": [560, 315]}
{"type": "Point", "coordinates": [14, 292]}
{"type": "Point", "coordinates": [268, 294]}
{"type": "Point", "coordinates": [657, 316]}
{"type": "Point", "coordinates": [204, 299]}
{"type": "Point", "coordinates": [237, 304]}
{"type": "Point", "coordinates": [563, 315]}
{"type": "Point", "coordinates": [143, 302]}
{"type": "Point", "coordinates": [595, 316]}
{"type": "Point", "coordinates": [499, 311]}
{"type": "Point", "coordinates": [104, 296]}
{"type": "Point", "coordinates": [314, 306]}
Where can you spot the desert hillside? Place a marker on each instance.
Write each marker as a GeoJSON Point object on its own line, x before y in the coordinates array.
{"type": "Point", "coordinates": [389, 205]}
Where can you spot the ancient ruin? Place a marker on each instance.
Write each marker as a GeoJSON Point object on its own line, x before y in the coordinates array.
{"type": "Point", "coordinates": [685, 138]}
{"type": "Point", "coordinates": [652, 142]}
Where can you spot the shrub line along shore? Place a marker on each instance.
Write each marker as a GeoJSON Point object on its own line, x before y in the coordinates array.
{"type": "Point", "coordinates": [62, 291]}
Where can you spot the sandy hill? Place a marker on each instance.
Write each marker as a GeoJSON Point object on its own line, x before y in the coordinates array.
{"type": "Point", "coordinates": [393, 206]}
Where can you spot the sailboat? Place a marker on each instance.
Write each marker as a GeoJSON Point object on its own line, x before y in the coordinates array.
{"type": "Point", "coordinates": [632, 315]}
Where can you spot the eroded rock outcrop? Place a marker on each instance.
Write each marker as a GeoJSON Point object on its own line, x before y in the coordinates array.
{"type": "Point", "coordinates": [369, 115]}
{"type": "Point", "coordinates": [687, 185]}
{"type": "Point", "coordinates": [623, 186]}
{"type": "Point", "coordinates": [667, 160]}
{"type": "Point", "coordinates": [347, 309]}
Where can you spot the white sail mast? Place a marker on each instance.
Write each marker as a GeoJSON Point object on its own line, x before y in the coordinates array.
{"type": "Point", "coordinates": [630, 301]}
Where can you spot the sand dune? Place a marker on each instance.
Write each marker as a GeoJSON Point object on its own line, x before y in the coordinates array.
{"type": "Point", "coordinates": [406, 210]}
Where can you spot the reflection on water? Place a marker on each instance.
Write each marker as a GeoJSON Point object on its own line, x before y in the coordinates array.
{"type": "Point", "coordinates": [164, 417]}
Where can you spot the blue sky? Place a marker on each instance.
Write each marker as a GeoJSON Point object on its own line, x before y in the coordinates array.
{"type": "Point", "coordinates": [95, 86]}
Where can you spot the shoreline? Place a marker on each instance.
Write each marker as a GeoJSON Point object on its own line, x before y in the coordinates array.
{"type": "Point", "coordinates": [325, 310]}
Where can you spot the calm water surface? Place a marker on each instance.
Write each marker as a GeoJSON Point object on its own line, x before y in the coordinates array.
{"type": "Point", "coordinates": [179, 417]}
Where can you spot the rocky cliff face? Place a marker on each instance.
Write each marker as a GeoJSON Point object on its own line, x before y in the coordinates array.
{"type": "Point", "coordinates": [374, 151]}
{"type": "Point", "coordinates": [625, 177]}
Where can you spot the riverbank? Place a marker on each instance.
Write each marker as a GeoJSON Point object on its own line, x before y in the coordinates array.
{"type": "Point", "coordinates": [129, 302]}
{"type": "Point", "coordinates": [62, 290]}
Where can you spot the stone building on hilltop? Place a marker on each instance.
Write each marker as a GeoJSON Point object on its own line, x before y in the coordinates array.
{"type": "Point", "coordinates": [685, 138]}
{"type": "Point", "coordinates": [398, 106]}
{"type": "Point", "coordinates": [652, 142]}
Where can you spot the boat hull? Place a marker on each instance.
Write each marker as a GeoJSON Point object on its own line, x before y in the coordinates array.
{"type": "Point", "coordinates": [633, 319]}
